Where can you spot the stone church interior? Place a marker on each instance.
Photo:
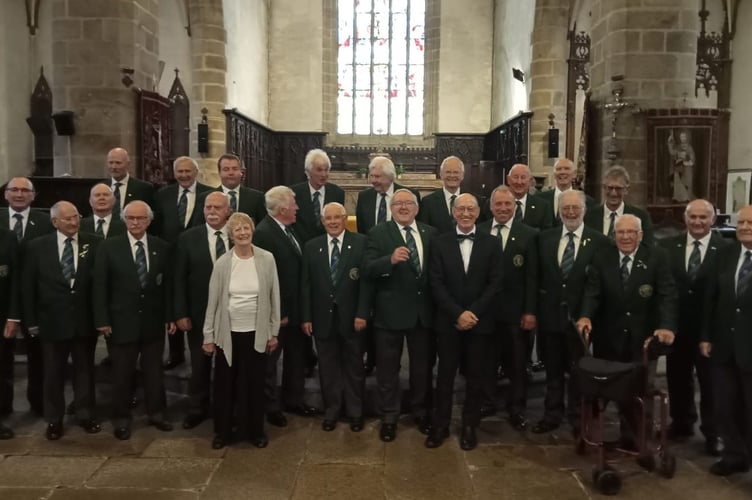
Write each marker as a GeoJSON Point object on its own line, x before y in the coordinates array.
{"type": "Point", "coordinates": [658, 87]}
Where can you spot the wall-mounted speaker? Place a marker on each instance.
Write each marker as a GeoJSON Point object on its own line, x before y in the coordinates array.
{"type": "Point", "coordinates": [203, 137]}
{"type": "Point", "coordinates": [64, 123]}
{"type": "Point", "coordinates": [553, 143]}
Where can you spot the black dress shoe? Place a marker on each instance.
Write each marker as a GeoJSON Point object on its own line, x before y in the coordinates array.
{"type": "Point", "coordinates": [356, 424]}
{"type": "Point", "coordinates": [723, 468]}
{"type": "Point", "coordinates": [106, 362]}
{"type": "Point", "coordinates": [518, 421]}
{"type": "Point", "coordinates": [388, 432]}
{"type": "Point", "coordinates": [260, 441]}
{"type": "Point", "coordinates": [713, 446]}
{"type": "Point", "coordinates": [368, 369]}
{"type": "Point", "coordinates": [173, 363]}
{"type": "Point", "coordinates": [162, 425]}
{"type": "Point", "coordinates": [218, 442]}
{"type": "Point", "coordinates": [89, 425]}
{"type": "Point", "coordinates": [436, 437]}
{"type": "Point", "coordinates": [6, 433]}
{"type": "Point", "coordinates": [54, 431]}
{"type": "Point", "coordinates": [122, 433]}
{"type": "Point", "coordinates": [423, 424]}
{"type": "Point", "coordinates": [276, 418]}
{"type": "Point", "coordinates": [468, 439]}
{"type": "Point", "coordinates": [303, 410]}
{"type": "Point", "coordinates": [487, 410]}
{"type": "Point", "coordinates": [544, 426]}
{"type": "Point", "coordinates": [134, 402]}
{"type": "Point", "coordinates": [328, 425]}
{"type": "Point", "coordinates": [193, 419]}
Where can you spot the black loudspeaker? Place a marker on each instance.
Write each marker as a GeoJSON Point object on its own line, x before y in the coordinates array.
{"type": "Point", "coordinates": [203, 137]}
{"type": "Point", "coordinates": [553, 143]}
{"type": "Point", "coordinates": [64, 123]}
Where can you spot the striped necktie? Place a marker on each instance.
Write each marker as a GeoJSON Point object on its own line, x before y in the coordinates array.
{"type": "Point", "coordinates": [567, 258]}
{"type": "Point", "coordinates": [141, 267]}
{"type": "Point", "coordinates": [66, 261]}
{"type": "Point", "coordinates": [334, 261]}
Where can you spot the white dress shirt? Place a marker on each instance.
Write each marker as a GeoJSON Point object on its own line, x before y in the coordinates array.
{"type": "Point", "coordinates": [565, 239]}
{"type": "Point", "coordinates": [505, 228]}
{"type": "Point", "coordinates": [145, 241]}
{"type": "Point", "coordinates": [105, 225]}
{"type": "Point", "coordinates": [558, 192]}
{"type": "Point", "coordinates": [61, 246]}
{"type": "Point", "coordinates": [322, 193]}
{"type": "Point", "coordinates": [212, 239]}
{"type": "Point", "coordinates": [389, 194]}
{"type": "Point", "coordinates": [466, 248]}
{"type": "Point", "coordinates": [607, 217]}
{"type": "Point", "coordinates": [416, 237]}
{"type": "Point", "coordinates": [448, 198]}
{"type": "Point", "coordinates": [330, 246]}
{"type": "Point", "coordinates": [191, 196]}
{"type": "Point", "coordinates": [704, 242]}
{"type": "Point", "coordinates": [24, 220]}
{"type": "Point", "coordinates": [123, 188]}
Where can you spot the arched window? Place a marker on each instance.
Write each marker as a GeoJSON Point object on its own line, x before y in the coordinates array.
{"type": "Point", "coordinates": [380, 67]}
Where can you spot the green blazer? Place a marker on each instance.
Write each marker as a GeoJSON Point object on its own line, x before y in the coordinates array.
{"type": "Point", "coordinates": [9, 277]}
{"type": "Point", "coordinates": [38, 224]}
{"type": "Point", "coordinates": [434, 212]}
{"type": "Point", "coordinates": [60, 311]}
{"type": "Point", "coordinates": [166, 224]}
{"type": "Point", "coordinates": [627, 315]}
{"type": "Point", "coordinates": [251, 202]}
{"type": "Point", "coordinates": [306, 225]}
{"type": "Point", "coordinates": [349, 292]}
{"type": "Point", "coordinates": [365, 210]}
{"type": "Point", "coordinates": [117, 226]}
{"type": "Point", "coordinates": [402, 299]}
{"type": "Point", "coordinates": [136, 190]}
{"type": "Point", "coordinates": [594, 219]}
{"type": "Point", "coordinates": [193, 269]}
{"type": "Point", "coordinates": [133, 313]}
{"type": "Point", "coordinates": [548, 196]}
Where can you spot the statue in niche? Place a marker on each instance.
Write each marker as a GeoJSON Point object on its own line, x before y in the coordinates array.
{"type": "Point", "coordinates": [682, 165]}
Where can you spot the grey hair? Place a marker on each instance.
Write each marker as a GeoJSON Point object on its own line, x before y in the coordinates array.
{"type": "Point", "coordinates": [277, 198]}
{"type": "Point", "coordinates": [708, 205]}
{"type": "Point", "coordinates": [502, 188]}
{"type": "Point", "coordinates": [404, 190]}
{"type": "Point", "coordinates": [580, 197]}
{"type": "Point", "coordinates": [462, 165]}
{"type": "Point", "coordinates": [633, 218]}
{"type": "Point", "coordinates": [149, 211]}
{"type": "Point", "coordinates": [55, 209]}
{"type": "Point", "coordinates": [312, 156]}
{"type": "Point", "coordinates": [334, 204]}
{"type": "Point", "coordinates": [386, 165]}
{"type": "Point", "coordinates": [616, 172]}
{"type": "Point", "coordinates": [181, 159]}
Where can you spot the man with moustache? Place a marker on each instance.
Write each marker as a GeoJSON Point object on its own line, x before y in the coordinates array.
{"type": "Point", "coordinates": [693, 257]}
{"type": "Point", "coordinates": [197, 249]}
{"type": "Point", "coordinates": [465, 279]}
{"type": "Point", "coordinates": [436, 208]}
{"type": "Point", "coordinates": [58, 271]}
{"type": "Point", "coordinates": [534, 211]}
{"type": "Point", "coordinates": [335, 305]}
{"type": "Point", "coordinates": [242, 199]}
{"type": "Point", "coordinates": [26, 224]}
{"type": "Point", "coordinates": [102, 222]}
{"type": "Point", "coordinates": [374, 203]}
{"type": "Point", "coordinates": [9, 310]}
{"type": "Point", "coordinates": [564, 254]}
{"type": "Point", "coordinates": [124, 187]}
{"type": "Point", "coordinates": [276, 235]}
{"type": "Point", "coordinates": [173, 211]}
{"type": "Point", "coordinates": [564, 175]}
{"type": "Point", "coordinates": [133, 306]}
{"type": "Point", "coordinates": [726, 341]}
{"type": "Point", "coordinates": [396, 261]}
{"type": "Point", "coordinates": [515, 314]}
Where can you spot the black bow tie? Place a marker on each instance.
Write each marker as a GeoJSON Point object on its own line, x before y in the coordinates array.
{"type": "Point", "coordinates": [462, 237]}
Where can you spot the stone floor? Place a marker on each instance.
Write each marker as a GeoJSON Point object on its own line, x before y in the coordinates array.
{"type": "Point", "coordinates": [303, 462]}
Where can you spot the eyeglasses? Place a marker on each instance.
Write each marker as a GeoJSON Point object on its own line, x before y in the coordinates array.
{"type": "Point", "coordinates": [20, 190]}
{"type": "Point", "coordinates": [69, 219]}
{"type": "Point", "coordinates": [403, 203]}
{"type": "Point", "coordinates": [133, 218]}
{"type": "Point", "coordinates": [617, 189]}
{"type": "Point", "coordinates": [626, 232]}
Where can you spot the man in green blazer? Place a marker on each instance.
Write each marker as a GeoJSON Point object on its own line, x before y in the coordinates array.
{"type": "Point", "coordinates": [615, 188]}
{"type": "Point", "coordinates": [335, 305]}
{"type": "Point", "coordinates": [124, 187]}
{"type": "Point", "coordinates": [532, 210]}
{"type": "Point", "coordinates": [56, 292]}
{"type": "Point", "coordinates": [9, 314]}
{"type": "Point", "coordinates": [726, 340]}
{"type": "Point", "coordinates": [436, 208]}
{"type": "Point", "coordinates": [374, 203]}
{"type": "Point", "coordinates": [132, 305]}
{"type": "Point", "coordinates": [564, 176]}
{"type": "Point", "coordinates": [102, 222]}
{"type": "Point", "coordinates": [396, 261]}
{"type": "Point", "coordinates": [196, 251]}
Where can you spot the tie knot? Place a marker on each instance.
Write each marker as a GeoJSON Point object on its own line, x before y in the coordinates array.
{"type": "Point", "coordinates": [18, 217]}
{"type": "Point", "coordinates": [519, 204]}
{"type": "Point", "coordinates": [316, 195]}
{"type": "Point", "coordinates": [335, 241]}
{"type": "Point", "coordinates": [748, 254]}
{"type": "Point", "coordinates": [100, 222]}
{"type": "Point", "coordinates": [407, 228]}
{"type": "Point", "coordinates": [613, 215]}
{"type": "Point", "coordinates": [218, 233]}
{"type": "Point", "coordinates": [118, 184]}
{"type": "Point", "coordinates": [500, 226]}
{"type": "Point", "coordinates": [68, 239]}
{"type": "Point", "coordinates": [232, 193]}
{"type": "Point", "coordinates": [697, 243]}
{"type": "Point", "coordinates": [570, 235]}
{"type": "Point", "coordinates": [383, 195]}
{"type": "Point", "coordinates": [139, 244]}
{"type": "Point", "coordinates": [626, 259]}
{"type": "Point", "coordinates": [186, 191]}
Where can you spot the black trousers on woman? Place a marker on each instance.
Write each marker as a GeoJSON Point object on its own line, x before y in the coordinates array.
{"type": "Point", "coordinates": [239, 389]}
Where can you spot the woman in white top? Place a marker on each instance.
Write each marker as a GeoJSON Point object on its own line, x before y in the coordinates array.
{"type": "Point", "coordinates": [241, 327]}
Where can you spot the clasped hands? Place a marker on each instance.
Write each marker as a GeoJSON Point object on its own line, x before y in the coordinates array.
{"type": "Point", "coordinates": [466, 321]}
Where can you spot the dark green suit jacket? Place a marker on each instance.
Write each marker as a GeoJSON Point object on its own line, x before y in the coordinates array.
{"type": "Point", "coordinates": [559, 299]}
{"type": "Point", "coordinates": [166, 224]}
{"type": "Point", "coordinates": [117, 226]}
{"type": "Point", "coordinates": [9, 277]}
{"type": "Point", "coordinates": [193, 269]}
{"type": "Point", "coordinates": [729, 317]}
{"type": "Point", "coordinates": [365, 210]}
{"type": "Point", "coordinates": [38, 224]}
{"type": "Point", "coordinates": [306, 226]}
{"type": "Point", "coordinates": [434, 212]}
{"type": "Point", "coordinates": [594, 219]}
{"type": "Point", "coordinates": [402, 299]}
{"type": "Point", "coordinates": [135, 314]}
{"type": "Point", "coordinates": [626, 316]}
{"type": "Point", "coordinates": [519, 269]}
{"type": "Point", "coordinates": [270, 236]}
{"type": "Point", "coordinates": [349, 292]}
{"type": "Point", "coordinates": [548, 196]}
{"type": "Point", "coordinates": [136, 190]}
{"type": "Point", "coordinates": [60, 311]}
{"type": "Point", "coordinates": [251, 202]}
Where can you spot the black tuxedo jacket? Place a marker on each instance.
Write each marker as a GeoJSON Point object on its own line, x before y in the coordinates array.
{"type": "Point", "coordinates": [349, 292]}
{"type": "Point", "coordinates": [594, 219]}
{"type": "Point", "coordinates": [519, 265]}
{"type": "Point", "coordinates": [60, 311]}
{"type": "Point", "coordinates": [39, 223]}
{"type": "Point", "coordinates": [117, 226]}
{"type": "Point", "coordinates": [251, 202]}
{"type": "Point", "coordinates": [193, 269]}
{"type": "Point", "coordinates": [434, 212]}
{"type": "Point", "coordinates": [136, 189]}
{"type": "Point", "coordinates": [627, 315]}
{"type": "Point", "coordinates": [10, 274]}
{"type": "Point", "coordinates": [166, 224]}
{"type": "Point", "coordinates": [559, 299]}
{"type": "Point", "coordinates": [729, 317]}
{"type": "Point", "coordinates": [135, 314]}
{"type": "Point", "coordinates": [455, 291]}
{"type": "Point", "coordinates": [270, 236]}
{"type": "Point", "coordinates": [692, 307]}
{"type": "Point", "coordinates": [402, 299]}
{"type": "Point", "coordinates": [365, 210]}
{"type": "Point", "coordinates": [306, 225]}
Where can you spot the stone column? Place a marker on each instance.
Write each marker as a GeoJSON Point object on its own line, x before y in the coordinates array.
{"type": "Point", "coordinates": [548, 79]}
{"type": "Point", "coordinates": [91, 42]}
{"type": "Point", "coordinates": [209, 90]}
{"type": "Point", "coordinates": [653, 45]}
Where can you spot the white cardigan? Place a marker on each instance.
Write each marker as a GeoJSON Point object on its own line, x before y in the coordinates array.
{"type": "Point", "coordinates": [217, 322]}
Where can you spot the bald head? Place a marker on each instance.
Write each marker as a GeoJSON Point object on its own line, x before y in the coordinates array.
{"type": "Point", "coordinates": [699, 217]}
{"type": "Point", "coordinates": [334, 219]}
{"type": "Point", "coordinates": [465, 212]}
{"type": "Point", "coordinates": [119, 163]}
{"type": "Point", "coordinates": [101, 200]}
{"type": "Point", "coordinates": [217, 209]}
{"type": "Point", "coordinates": [65, 218]}
{"type": "Point", "coordinates": [744, 227]}
{"type": "Point", "coordinates": [518, 180]}
{"type": "Point", "coordinates": [19, 193]}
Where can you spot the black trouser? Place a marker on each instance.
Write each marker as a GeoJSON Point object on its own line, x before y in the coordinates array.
{"type": "Point", "coordinates": [341, 370]}
{"type": "Point", "coordinates": [34, 373]}
{"type": "Point", "coordinates": [176, 343]}
{"type": "Point", "coordinates": [733, 406]}
{"type": "Point", "coordinates": [561, 353]}
{"type": "Point", "coordinates": [480, 358]}
{"type": "Point", "coordinates": [389, 351]}
{"type": "Point", "coordinates": [199, 394]}
{"type": "Point", "coordinates": [514, 342]}
{"type": "Point", "coordinates": [239, 388]}
{"type": "Point", "coordinates": [124, 359]}
{"type": "Point", "coordinates": [293, 342]}
{"type": "Point", "coordinates": [685, 356]}
{"type": "Point", "coordinates": [55, 356]}
{"type": "Point", "coordinates": [6, 376]}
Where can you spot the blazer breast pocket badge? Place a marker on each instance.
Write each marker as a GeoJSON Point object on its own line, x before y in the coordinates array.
{"type": "Point", "coordinates": [518, 260]}
{"type": "Point", "coordinates": [354, 273]}
{"type": "Point", "coordinates": [3, 271]}
{"type": "Point", "coordinates": [646, 291]}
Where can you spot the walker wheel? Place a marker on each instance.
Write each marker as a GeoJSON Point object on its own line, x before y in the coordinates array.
{"type": "Point", "coordinates": [608, 482]}
{"type": "Point", "coordinates": [667, 466]}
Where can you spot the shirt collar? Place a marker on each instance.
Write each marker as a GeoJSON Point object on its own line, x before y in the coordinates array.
{"type": "Point", "coordinates": [508, 223]}
{"type": "Point", "coordinates": [414, 226]}
{"type": "Point", "coordinates": [133, 240]}
{"type": "Point", "coordinates": [704, 241]}
{"type": "Point", "coordinates": [472, 231]}
{"type": "Point", "coordinates": [448, 195]}
{"type": "Point", "coordinates": [124, 181]}
{"type": "Point", "coordinates": [577, 232]}
{"type": "Point", "coordinates": [619, 211]}
{"type": "Point", "coordinates": [191, 188]}
{"type": "Point", "coordinates": [320, 190]}
{"type": "Point", "coordinates": [227, 190]}
{"type": "Point", "coordinates": [340, 237]}
{"type": "Point", "coordinates": [61, 238]}
{"type": "Point", "coordinates": [631, 256]}
{"type": "Point", "coordinates": [211, 230]}
{"type": "Point", "coordinates": [24, 213]}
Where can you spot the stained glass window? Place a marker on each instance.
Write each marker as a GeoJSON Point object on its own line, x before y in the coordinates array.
{"type": "Point", "coordinates": [380, 67]}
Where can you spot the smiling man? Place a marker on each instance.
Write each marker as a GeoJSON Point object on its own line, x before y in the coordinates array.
{"type": "Point", "coordinates": [436, 208]}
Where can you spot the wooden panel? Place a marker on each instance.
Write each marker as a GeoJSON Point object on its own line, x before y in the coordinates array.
{"type": "Point", "coordinates": [154, 138]}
